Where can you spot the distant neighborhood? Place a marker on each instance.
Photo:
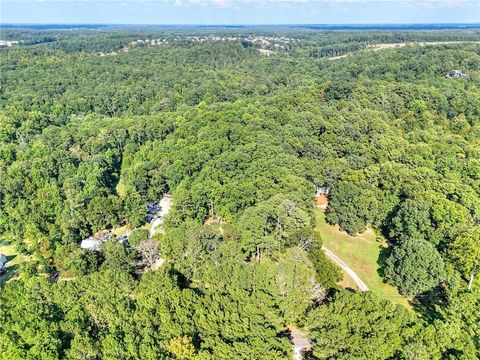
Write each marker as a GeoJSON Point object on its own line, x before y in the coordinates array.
{"type": "Point", "coordinates": [8, 43]}
{"type": "Point", "coordinates": [263, 42]}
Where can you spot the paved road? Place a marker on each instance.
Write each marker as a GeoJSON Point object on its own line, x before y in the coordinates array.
{"type": "Point", "coordinates": [300, 343]}
{"type": "Point", "coordinates": [165, 206]}
{"type": "Point", "coordinates": [361, 285]}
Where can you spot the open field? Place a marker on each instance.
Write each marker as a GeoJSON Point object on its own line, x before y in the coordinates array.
{"type": "Point", "coordinates": [361, 254]}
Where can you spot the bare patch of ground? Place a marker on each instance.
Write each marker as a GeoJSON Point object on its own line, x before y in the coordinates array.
{"type": "Point", "coordinates": [377, 47]}
{"type": "Point", "coordinates": [321, 201]}
{"type": "Point", "coordinates": [337, 57]}
{"type": "Point", "coordinates": [266, 52]}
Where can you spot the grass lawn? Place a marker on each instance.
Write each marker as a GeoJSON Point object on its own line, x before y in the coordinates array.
{"type": "Point", "coordinates": [361, 254]}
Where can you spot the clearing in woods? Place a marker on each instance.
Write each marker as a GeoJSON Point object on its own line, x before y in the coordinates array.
{"type": "Point", "coordinates": [361, 254]}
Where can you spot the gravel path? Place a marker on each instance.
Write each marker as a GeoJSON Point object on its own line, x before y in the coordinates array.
{"type": "Point", "coordinates": [361, 285]}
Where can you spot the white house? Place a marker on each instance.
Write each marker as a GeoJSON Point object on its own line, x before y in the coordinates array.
{"type": "Point", "coordinates": [96, 241]}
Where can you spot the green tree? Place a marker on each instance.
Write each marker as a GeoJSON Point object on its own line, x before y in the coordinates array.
{"type": "Point", "coordinates": [138, 236]}
{"type": "Point", "coordinates": [182, 348]}
{"type": "Point", "coordinates": [118, 257]}
{"type": "Point", "coordinates": [415, 266]}
{"type": "Point", "coordinates": [465, 253]}
{"type": "Point", "coordinates": [352, 207]}
{"type": "Point", "coordinates": [327, 273]}
{"type": "Point", "coordinates": [358, 326]}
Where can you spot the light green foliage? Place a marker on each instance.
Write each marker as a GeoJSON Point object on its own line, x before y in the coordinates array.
{"type": "Point", "coordinates": [272, 225]}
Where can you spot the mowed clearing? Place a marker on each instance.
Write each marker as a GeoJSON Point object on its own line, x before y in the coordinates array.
{"type": "Point", "coordinates": [361, 254]}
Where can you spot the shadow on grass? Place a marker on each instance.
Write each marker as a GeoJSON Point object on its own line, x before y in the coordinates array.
{"type": "Point", "coordinates": [9, 273]}
{"type": "Point", "coordinates": [11, 257]}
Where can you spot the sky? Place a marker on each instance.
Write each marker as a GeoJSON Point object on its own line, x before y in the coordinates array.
{"type": "Point", "coordinates": [222, 12]}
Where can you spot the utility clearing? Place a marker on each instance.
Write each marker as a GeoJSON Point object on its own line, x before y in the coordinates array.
{"type": "Point", "coordinates": [360, 253]}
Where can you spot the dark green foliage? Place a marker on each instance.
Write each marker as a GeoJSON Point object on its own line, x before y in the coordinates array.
{"type": "Point", "coordinates": [415, 266]}
{"type": "Point", "coordinates": [74, 261]}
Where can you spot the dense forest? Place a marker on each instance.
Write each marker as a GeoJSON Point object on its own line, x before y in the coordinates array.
{"type": "Point", "coordinates": [92, 129]}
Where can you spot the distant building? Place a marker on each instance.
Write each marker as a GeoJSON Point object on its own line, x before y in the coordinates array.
{"type": "Point", "coordinates": [7, 43]}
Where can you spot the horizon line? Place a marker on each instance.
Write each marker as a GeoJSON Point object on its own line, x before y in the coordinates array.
{"type": "Point", "coordinates": [239, 24]}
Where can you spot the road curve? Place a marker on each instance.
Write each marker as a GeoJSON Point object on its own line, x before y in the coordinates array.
{"type": "Point", "coordinates": [361, 285]}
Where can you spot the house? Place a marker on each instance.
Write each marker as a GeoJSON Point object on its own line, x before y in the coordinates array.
{"type": "Point", "coordinates": [3, 261]}
{"type": "Point", "coordinates": [7, 43]}
{"type": "Point", "coordinates": [323, 191]}
{"type": "Point", "coordinates": [91, 244]}
{"type": "Point", "coordinates": [456, 74]}
{"type": "Point", "coordinates": [96, 241]}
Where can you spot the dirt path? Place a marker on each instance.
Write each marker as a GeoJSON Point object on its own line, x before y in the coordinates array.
{"type": "Point", "coordinates": [361, 285]}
